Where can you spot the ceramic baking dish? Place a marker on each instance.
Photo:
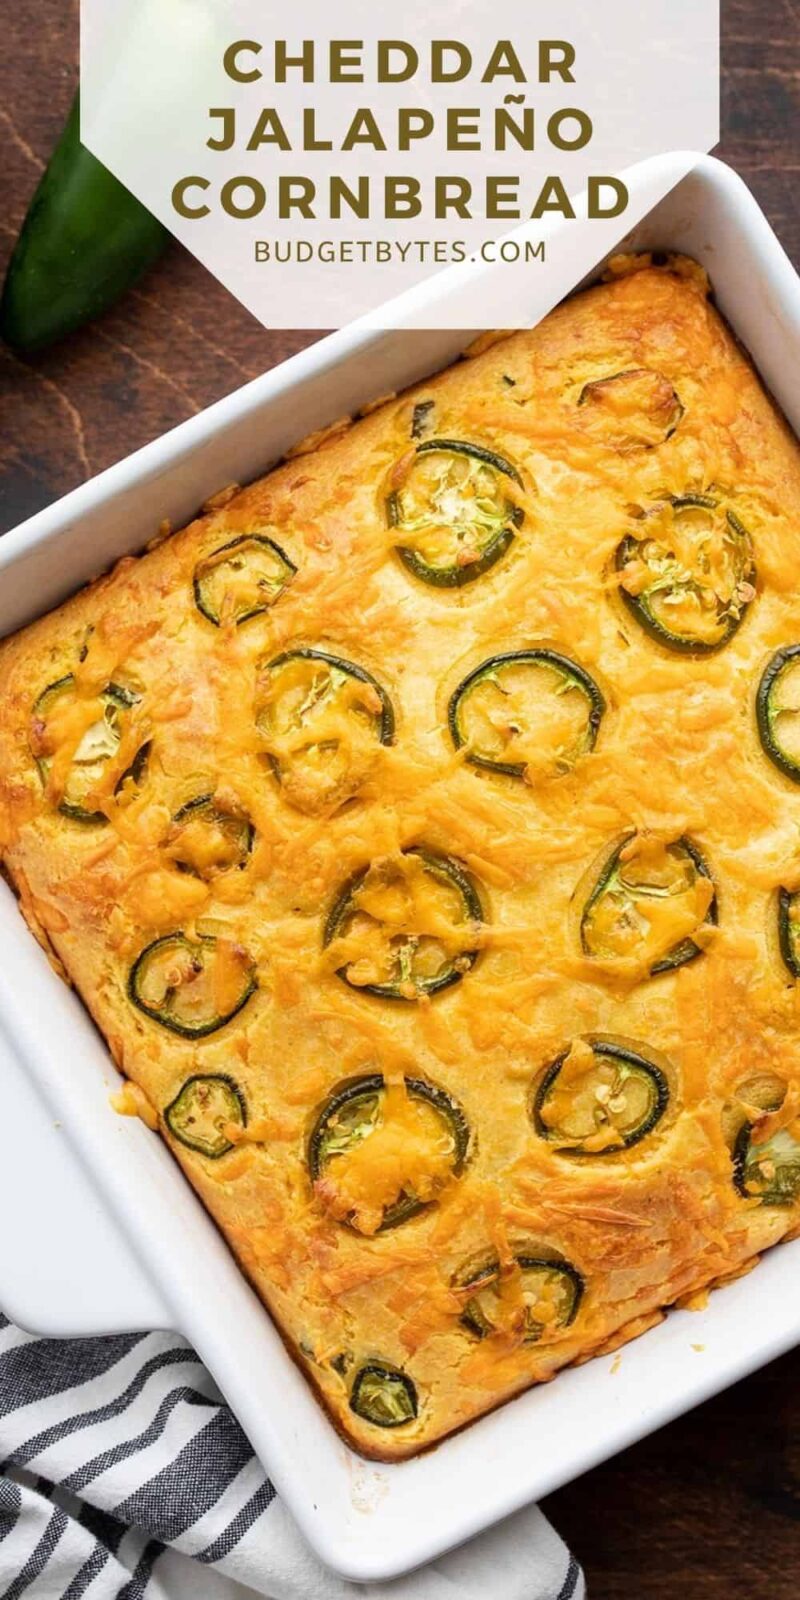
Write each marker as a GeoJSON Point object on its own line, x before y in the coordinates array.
{"type": "Point", "coordinates": [133, 1246]}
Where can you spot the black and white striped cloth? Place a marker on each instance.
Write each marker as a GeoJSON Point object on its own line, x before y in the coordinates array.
{"type": "Point", "coordinates": [125, 1477]}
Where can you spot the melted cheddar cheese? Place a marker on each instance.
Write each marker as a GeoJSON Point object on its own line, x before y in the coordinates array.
{"type": "Point", "coordinates": [629, 397]}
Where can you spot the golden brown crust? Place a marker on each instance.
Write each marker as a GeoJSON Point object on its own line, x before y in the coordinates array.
{"type": "Point", "coordinates": [677, 754]}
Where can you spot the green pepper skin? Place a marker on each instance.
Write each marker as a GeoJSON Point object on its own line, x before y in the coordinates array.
{"type": "Point", "coordinates": [786, 943]}
{"type": "Point", "coordinates": [124, 699]}
{"type": "Point", "coordinates": [472, 1317]}
{"type": "Point", "coordinates": [391, 1378]}
{"type": "Point", "coordinates": [204, 803]}
{"type": "Point", "coordinates": [372, 1083]}
{"type": "Point", "coordinates": [781, 1192]}
{"type": "Point", "coordinates": [687, 949]}
{"type": "Point", "coordinates": [234, 544]}
{"type": "Point", "coordinates": [137, 771]}
{"type": "Point", "coordinates": [85, 240]}
{"type": "Point", "coordinates": [172, 1114]}
{"type": "Point", "coordinates": [447, 869]}
{"type": "Point", "coordinates": [590, 389]}
{"type": "Point", "coordinates": [639, 605]}
{"type": "Point", "coordinates": [351, 669]}
{"type": "Point", "coordinates": [770, 678]}
{"type": "Point", "coordinates": [457, 577]}
{"type": "Point", "coordinates": [616, 1052]}
{"type": "Point", "coordinates": [184, 1031]}
{"type": "Point", "coordinates": [551, 658]}
{"type": "Point", "coordinates": [421, 417]}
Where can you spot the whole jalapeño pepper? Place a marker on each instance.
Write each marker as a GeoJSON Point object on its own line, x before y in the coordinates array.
{"type": "Point", "coordinates": [84, 241]}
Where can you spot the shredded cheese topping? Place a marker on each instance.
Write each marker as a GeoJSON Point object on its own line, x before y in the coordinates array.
{"type": "Point", "coordinates": [341, 819]}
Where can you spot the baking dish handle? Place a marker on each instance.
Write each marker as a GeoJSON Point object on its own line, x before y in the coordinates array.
{"type": "Point", "coordinates": [65, 1268]}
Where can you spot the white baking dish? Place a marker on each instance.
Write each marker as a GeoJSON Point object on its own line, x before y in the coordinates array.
{"type": "Point", "coordinates": [132, 1246]}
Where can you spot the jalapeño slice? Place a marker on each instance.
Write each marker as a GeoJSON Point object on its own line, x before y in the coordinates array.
{"type": "Point", "coordinates": [191, 986]}
{"type": "Point", "coordinates": [778, 710]}
{"type": "Point", "coordinates": [534, 1298]}
{"type": "Point", "coordinates": [605, 1101]}
{"type": "Point", "coordinates": [410, 923]}
{"type": "Point", "coordinates": [241, 579]}
{"type": "Point", "coordinates": [425, 1130]}
{"type": "Point", "coordinates": [321, 718]}
{"type": "Point", "coordinates": [690, 577]}
{"type": "Point", "coordinates": [770, 1171]}
{"type": "Point", "coordinates": [789, 929]}
{"type": "Point", "coordinates": [637, 408]}
{"type": "Point", "coordinates": [631, 894]}
{"type": "Point", "coordinates": [452, 511]}
{"type": "Point", "coordinates": [421, 418]}
{"type": "Point", "coordinates": [98, 745]}
{"type": "Point", "coordinates": [208, 1103]}
{"type": "Point", "coordinates": [527, 712]}
{"type": "Point", "coordinates": [383, 1395]}
{"type": "Point", "coordinates": [135, 774]}
{"type": "Point", "coordinates": [206, 839]}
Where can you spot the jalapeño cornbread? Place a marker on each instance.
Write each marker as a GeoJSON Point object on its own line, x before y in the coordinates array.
{"type": "Point", "coordinates": [422, 828]}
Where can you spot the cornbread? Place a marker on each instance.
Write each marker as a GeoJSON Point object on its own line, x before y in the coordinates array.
{"type": "Point", "coordinates": [421, 827]}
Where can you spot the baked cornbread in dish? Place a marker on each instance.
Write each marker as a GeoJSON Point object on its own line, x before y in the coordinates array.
{"type": "Point", "coordinates": [420, 828]}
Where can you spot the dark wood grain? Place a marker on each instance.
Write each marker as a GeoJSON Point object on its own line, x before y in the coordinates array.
{"type": "Point", "coordinates": [709, 1507]}
{"type": "Point", "coordinates": [180, 340]}
{"type": "Point", "coordinates": [706, 1509]}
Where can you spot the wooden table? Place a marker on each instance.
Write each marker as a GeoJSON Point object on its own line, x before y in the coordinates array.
{"type": "Point", "coordinates": [709, 1507]}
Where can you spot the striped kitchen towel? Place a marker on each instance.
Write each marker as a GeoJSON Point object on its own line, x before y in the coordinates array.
{"type": "Point", "coordinates": [125, 1477]}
